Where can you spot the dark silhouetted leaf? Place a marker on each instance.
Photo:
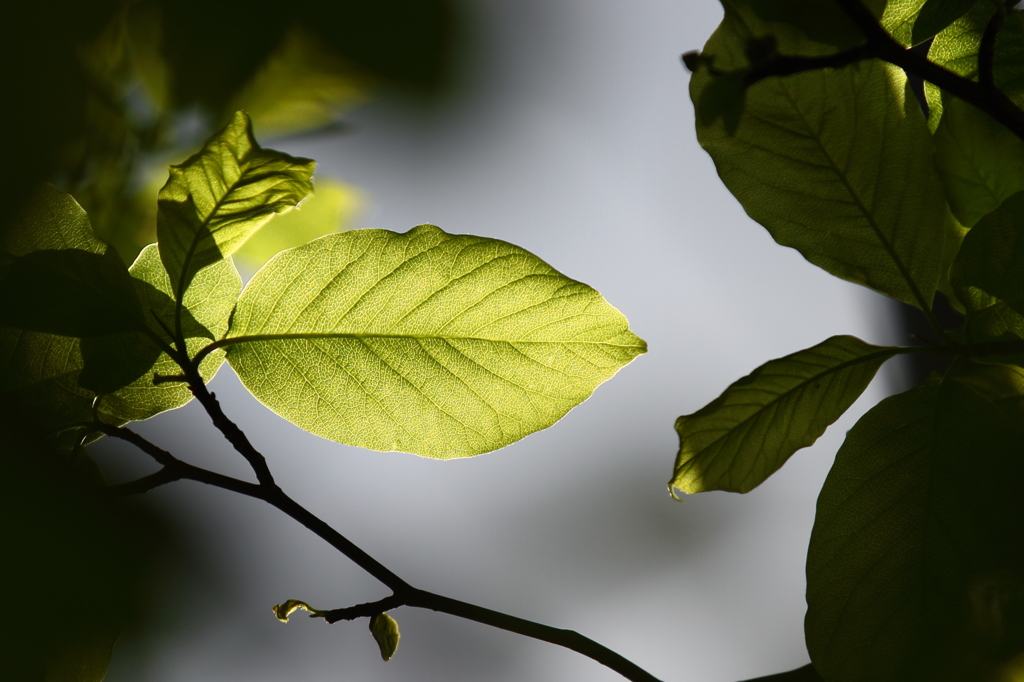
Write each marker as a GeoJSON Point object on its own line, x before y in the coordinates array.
{"type": "Point", "coordinates": [747, 433]}
{"type": "Point", "coordinates": [915, 565]}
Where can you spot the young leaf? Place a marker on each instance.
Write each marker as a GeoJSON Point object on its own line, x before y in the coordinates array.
{"type": "Point", "coordinates": [741, 438]}
{"type": "Point", "coordinates": [914, 565]}
{"type": "Point", "coordinates": [385, 632]}
{"type": "Point", "coordinates": [435, 344]}
{"type": "Point", "coordinates": [220, 196]}
{"type": "Point", "coordinates": [838, 165]}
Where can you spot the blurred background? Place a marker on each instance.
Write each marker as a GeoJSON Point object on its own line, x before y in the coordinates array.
{"type": "Point", "coordinates": [565, 128]}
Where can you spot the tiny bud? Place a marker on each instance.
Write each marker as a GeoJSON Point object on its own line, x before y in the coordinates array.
{"type": "Point", "coordinates": [384, 629]}
{"type": "Point", "coordinates": [692, 60]}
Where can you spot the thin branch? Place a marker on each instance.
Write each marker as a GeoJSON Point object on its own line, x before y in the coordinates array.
{"type": "Point", "coordinates": [987, 49]}
{"type": "Point", "coordinates": [367, 610]}
{"type": "Point", "coordinates": [404, 593]}
{"type": "Point", "coordinates": [144, 484]}
{"type": "Point", "coordinates": [569, 639]}
{"type": "Point", "coordinates": [231, 432]}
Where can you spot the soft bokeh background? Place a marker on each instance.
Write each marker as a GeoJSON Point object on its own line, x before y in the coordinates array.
{"type": "Point", "coordinates": [572, 136]}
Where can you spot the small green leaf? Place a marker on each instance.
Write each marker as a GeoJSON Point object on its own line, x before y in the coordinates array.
{"type": "Point", "coordinates": [837, 164]}
{"type": "Point", "coordinates": [220, 196]}
{"type": "Point", "coordinates": [913, 570]}
{"type": "Point", "coordinates": [285, 610]}
{"type": "Point", "coordinates": [747, 433]}
{"type": "Point", "coordinates": [385, 632]}
{"type": "Point", "coordinates": [435, 344]}
{"type": "Point", "coordinates": [981, 163]}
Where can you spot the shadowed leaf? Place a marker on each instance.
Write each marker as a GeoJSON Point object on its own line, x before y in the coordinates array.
{"type": "Point", "coordinates": [436, 344]}
{"type": "Point", "coordinates": [981, 162]}
{"type": "Point", "coordinates": [747, 433]}
{"type": "Point", "coordinates": [915, 565]}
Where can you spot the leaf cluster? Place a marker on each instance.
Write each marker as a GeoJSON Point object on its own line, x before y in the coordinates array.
{"type": "Point", "coordinates": [436, 344]}
{"type": "Point", "coordinates": [916, 560]}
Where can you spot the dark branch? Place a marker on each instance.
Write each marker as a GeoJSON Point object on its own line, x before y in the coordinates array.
{"type": "Point", "coordinates": [804, 674]}
{"type": "Point", "coordinates": [367, 610]}
{"type": "Point", "coordinates": [566, 638]}
{"type": "Point", "coordinates": [227, 427]}
{"type": "Point", "coordinates": [987, 50]}
{"type": "Point", "coordinates": [782, 65]}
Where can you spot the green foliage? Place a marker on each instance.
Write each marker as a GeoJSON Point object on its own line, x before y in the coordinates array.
{"type": "Point", "coordinates": [916, 563]}
{"type": "Point", "coordinates": [747, 433]}
{"type": "Point", "coordinates": [435, 344]}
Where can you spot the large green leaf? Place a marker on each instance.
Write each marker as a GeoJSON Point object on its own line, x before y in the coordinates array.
{"type": "Point", "coordinates": [837, 164]}
{"type": "Point", "coordinates": [914, 570]}
{"type": "Point", "coordinates": [956, 48]}
{"type": "Point", "coordinates": [742, 437]}
{"type": "Point", "coordinates": [981, 162]}
{"type": "Point", "coordinates": [220, 196]}
{"type": "Point", "coordinates": [436, 344]}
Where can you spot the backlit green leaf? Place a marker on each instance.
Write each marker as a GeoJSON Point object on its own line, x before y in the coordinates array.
{"type": "Point", "coordinates": [914, 571]}
{"type": "Point", "coordinates": [956, 49]}
{"type": "Point", "coordinates": [332, 208]}
{"type": "Point", "coordinates": [436, 344]}
{"type": "Point", "coordinates": [747, 433]}
{"type": "Point", "coordinates": [303, 85]}
{"type": "Point", "coordinates": [838, 165]}
{"type": "Point", "coordinates": [981, 163]}
{"type": "Point", "coordinates": [899, 18]}
{"type": "Point", "coordinates": [936, 15]}
{"type": "Point", "coordinates": [220, 196]}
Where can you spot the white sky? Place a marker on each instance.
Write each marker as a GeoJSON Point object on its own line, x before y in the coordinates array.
{"type": "Point", "coordinates": [574, 139]}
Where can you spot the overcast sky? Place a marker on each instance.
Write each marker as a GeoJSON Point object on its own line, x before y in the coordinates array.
{"type": "Point", "coordinates": [573, 138]}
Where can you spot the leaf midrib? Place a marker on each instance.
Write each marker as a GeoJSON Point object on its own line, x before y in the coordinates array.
{"type": "Point", "coordinates": [904, 272]}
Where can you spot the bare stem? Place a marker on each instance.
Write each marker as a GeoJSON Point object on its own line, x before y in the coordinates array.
{"type": "Point", "coordinates": [404, 593]}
